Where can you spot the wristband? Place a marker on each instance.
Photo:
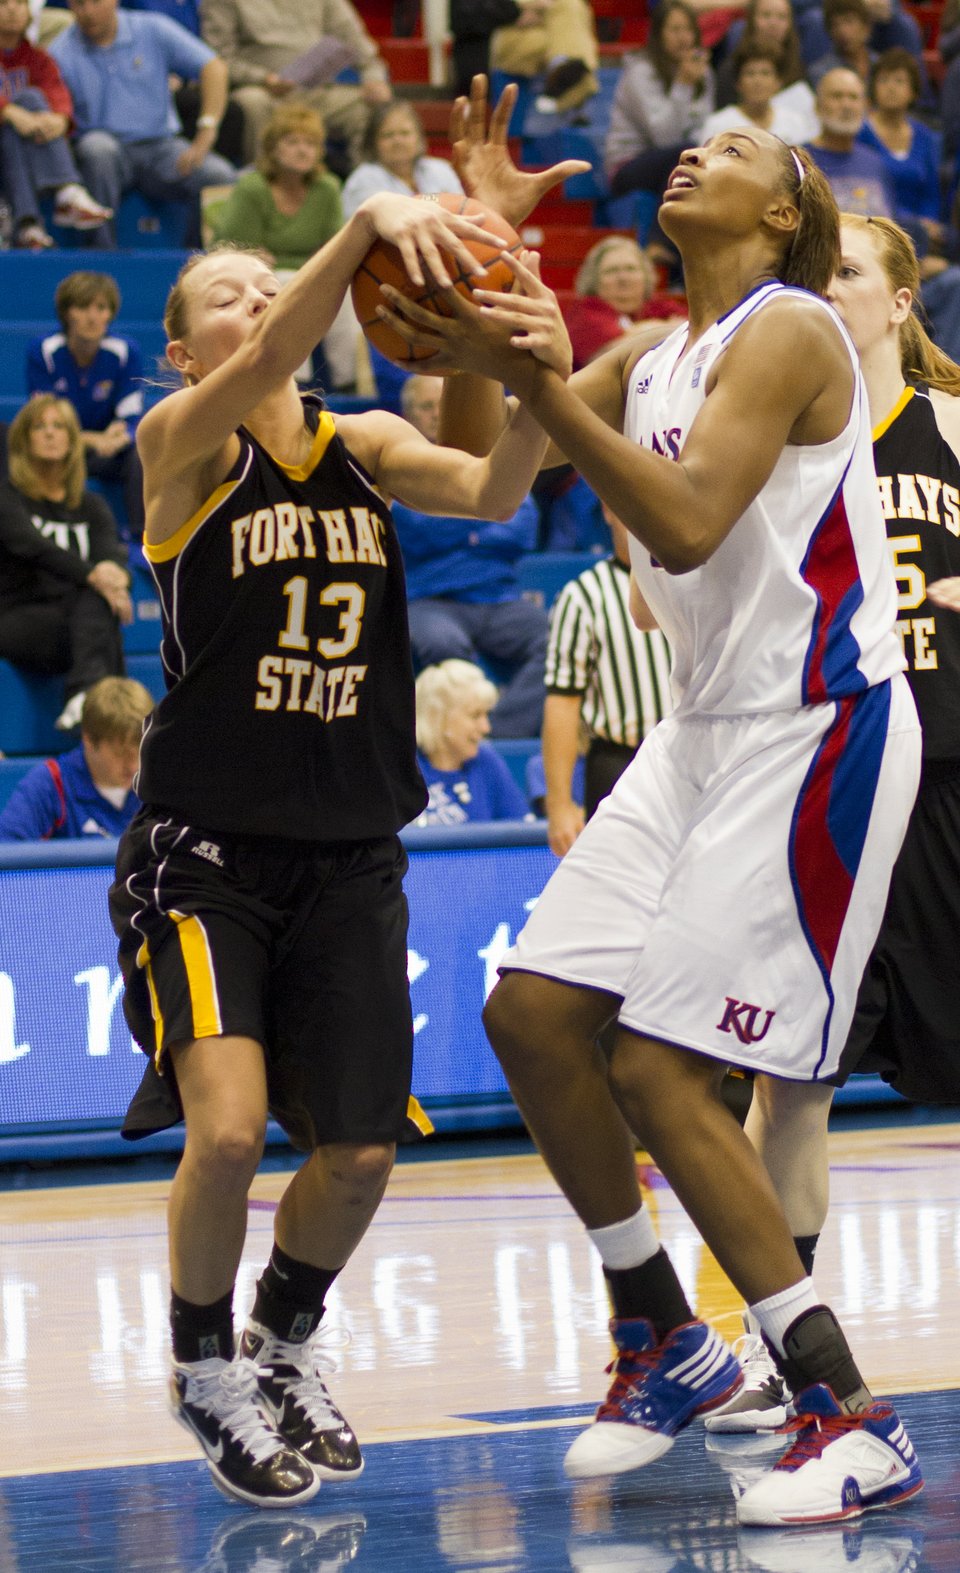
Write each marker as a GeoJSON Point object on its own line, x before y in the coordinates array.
{"type": "Point", "coordinates": [207, 122]}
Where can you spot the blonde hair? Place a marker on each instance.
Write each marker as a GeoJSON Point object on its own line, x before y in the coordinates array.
{"type": "Point", "coordinates": [114, 710]}
{"type": "Point", "coordinates": [439, 690]}
{"type": "Point", "coordinates": [920, 359]}
{"type": "Point", "coordinates": [176, 310]}
{"type": "Point", "coordinates": [24, 472]}
{"type": "Point", "coordinates": [291, 119]}
{"type": "Point", "coordinates": [588, 276]}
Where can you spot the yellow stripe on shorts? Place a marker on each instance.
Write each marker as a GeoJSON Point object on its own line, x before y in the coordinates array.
{"type": "Point", "coordinates": [143, 960]}
{"type": "Point", "coordinates": [419, 1117]}
{"type": "Point", "coordinates": [201, 983]}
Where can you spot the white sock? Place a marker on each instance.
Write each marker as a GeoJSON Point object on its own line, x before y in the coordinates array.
{"type": "Point", "coordinates": [779, 1311]}
{"type": "Point", "coordinates": [626, 1244]}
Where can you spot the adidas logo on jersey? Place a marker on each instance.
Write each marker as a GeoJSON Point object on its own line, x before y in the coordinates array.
{"type": "Point", "coordinates": [643, 386]}
{"type": "Point", "coordinates": [208, 850]}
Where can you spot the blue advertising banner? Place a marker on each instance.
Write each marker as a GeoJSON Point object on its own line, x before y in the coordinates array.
{"type": "Point", "coordinates": [66, 1055]}
{"type": "Point", "coordinates": [67, 1061]}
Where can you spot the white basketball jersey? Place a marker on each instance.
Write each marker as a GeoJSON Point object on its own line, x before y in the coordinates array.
{"type": "Point", "coordinates": [797, 606]}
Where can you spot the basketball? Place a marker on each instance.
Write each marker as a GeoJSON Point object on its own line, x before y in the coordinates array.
{"type": "Point", "coordinates": [384, 265]}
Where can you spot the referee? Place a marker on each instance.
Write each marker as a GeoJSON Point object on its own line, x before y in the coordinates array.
{"type": "Point", "coordinates": [603, 675]}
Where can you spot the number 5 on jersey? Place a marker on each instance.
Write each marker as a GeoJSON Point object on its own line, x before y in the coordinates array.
{"type": "Point", "coordinates": [911, 593]}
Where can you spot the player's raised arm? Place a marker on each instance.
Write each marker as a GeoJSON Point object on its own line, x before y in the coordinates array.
{"type": "Point", "coordinates": [482, 157]}
{"type": "Point", "coordinates": [190, 426]}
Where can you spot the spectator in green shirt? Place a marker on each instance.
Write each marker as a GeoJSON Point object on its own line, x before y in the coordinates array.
{"type": "Point", "coordinates": [289, 206]}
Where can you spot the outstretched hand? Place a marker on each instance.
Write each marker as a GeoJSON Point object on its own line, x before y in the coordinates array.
{"type": "Point", "coordinates": [483, 160]}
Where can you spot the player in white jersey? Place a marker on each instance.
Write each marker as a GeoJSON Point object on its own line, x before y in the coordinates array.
{"type": "Point", "coordinates": [722, 902]}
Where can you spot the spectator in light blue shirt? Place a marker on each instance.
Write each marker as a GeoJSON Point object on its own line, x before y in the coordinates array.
{"type": "Point", "coordinates": [117, 65]}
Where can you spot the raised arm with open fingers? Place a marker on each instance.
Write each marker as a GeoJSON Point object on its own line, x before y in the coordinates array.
{"type": "Point", "coordinates": [482, 158]}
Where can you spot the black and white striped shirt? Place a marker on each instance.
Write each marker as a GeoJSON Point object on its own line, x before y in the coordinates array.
{"type": "Point", "coordinates": [596, 650]}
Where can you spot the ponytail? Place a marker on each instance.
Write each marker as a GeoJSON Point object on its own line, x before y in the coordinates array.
{"type": "Point", "coordinates": [813, 256]}
{"type": "Point", "coordinates": [923, 361]}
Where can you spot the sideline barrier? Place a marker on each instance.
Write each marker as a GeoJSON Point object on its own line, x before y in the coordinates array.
{"type": "Point", "coordinates": [67, 1062]}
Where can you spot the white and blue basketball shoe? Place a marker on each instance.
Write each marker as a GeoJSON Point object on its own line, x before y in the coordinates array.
{"type": "Point", "coordinates": [657, 1389]}
{"type": "Point", "coordinates": [838, 1466]}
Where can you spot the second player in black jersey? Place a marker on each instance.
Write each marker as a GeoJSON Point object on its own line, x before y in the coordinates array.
{"type": "Point", "coordinates": [258, 898]}
{"type": "Point", "coordinates": [907, 1021]}
{"type": "Point", "coordinates": [918, 475]}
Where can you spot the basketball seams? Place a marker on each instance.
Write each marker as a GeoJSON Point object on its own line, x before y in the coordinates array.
{"type": "Point", "coordinates": [383, 264]}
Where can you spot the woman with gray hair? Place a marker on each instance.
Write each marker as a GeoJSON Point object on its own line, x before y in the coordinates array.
{"type": "Point", "coordinates": [466, 778]}
{"type": "Point", "coordinates": [616, 288]}
{"type": "Point", "coordinates": [395, 158]}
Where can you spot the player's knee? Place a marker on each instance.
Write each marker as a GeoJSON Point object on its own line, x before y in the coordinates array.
{"type": "Point", "coordinates": [656, 1083]}
{"type": "Point", "coordinates": [515, 1027]}
{"type": "Point", "coordinates": [228, 1153]}
{"type": "Point", "coordinates": [362, 1167]}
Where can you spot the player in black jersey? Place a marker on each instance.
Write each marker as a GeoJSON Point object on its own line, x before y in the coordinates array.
{"type": "Point", "coordinates": [907, 1022]}
{"type": "Point", "coordinates": [258, 896]}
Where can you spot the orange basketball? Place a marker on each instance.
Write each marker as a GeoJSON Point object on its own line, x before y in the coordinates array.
{"type": "Point", "coordinates": [383, 265]}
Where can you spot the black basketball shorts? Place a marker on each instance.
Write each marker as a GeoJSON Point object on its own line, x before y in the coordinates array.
{"type": "Point", "coordinates": [300, 946]}
{"type": "Point", "coordinates": [907, 1021]}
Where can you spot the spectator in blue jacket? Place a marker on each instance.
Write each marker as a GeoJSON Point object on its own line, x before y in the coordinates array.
{"type": "Point", "coordinates": [118, 65]}
{"type": "Point", "coordinates": [88, 791]}
{"type": "Point", "coordinates": [101, 374]}
{"type": "Point", "coordinates": [466, 778]}
{"type": "Point", "coordinates": [464, 597]}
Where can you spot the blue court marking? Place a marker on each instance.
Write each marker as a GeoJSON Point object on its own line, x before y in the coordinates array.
{"type": "Point", "coordinates": [496, 1502]}
{"type": "Point", "coordinates": [514, 1417]}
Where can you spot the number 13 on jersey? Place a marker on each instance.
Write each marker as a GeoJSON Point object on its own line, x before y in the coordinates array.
{"type": "Point", "coordinates": [298, 684]}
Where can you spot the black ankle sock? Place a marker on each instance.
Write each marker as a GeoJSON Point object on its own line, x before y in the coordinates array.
{"type": "Point", "coordinates": [290, 1295]}
{"type": "Point", "coordinates": [806, 1245]}
{"type": "Point", "coordinates": [202, 1332]}
{"type": "Point", "coordinates": [652, 1290]}
{"type": "Point", "coordinates": [817, 1351]}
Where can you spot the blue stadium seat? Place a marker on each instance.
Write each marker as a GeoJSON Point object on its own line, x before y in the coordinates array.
{"type": "Point", "coordinates": [543, 575]}
{"type": "Point", "coordinates": [143, 223]}
{"type": "Point", "coordinates": [28, 280]}
{"type": "Point", "coordinates": [12, 772]}
{"type": "Point", "coordinates": [147, 668]}
{"type": "Point", "coordinates": [29, 705]}
{"type": "Point", "coordinates": [143, 635]}
{"type": "Point", "coordinates": [515, 752]}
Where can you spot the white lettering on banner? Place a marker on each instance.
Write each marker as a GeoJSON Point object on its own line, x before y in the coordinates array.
{"type": "Point", "coordinates": [10, 1049]}
{"type": "Point", "coordinates": [102, 996]}
{"type": "Point", "coordinates": [493, 955]}
{"type": "Point", "coordinates": [416, 966]}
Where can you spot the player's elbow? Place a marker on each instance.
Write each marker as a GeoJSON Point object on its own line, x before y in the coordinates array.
{"type": "Point", "coordinates": [690, 546]}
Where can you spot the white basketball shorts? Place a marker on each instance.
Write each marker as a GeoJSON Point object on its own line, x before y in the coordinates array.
{"type": "Point", "coordinates": [730, 889]}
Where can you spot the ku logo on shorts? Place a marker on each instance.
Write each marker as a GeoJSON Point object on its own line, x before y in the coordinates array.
{"type": "Point", "coordinates": [742, 1018]}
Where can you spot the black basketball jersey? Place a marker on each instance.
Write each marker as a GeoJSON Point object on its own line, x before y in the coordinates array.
{"type": "Point", "coordinates": [290, 703]}
{"type": "Point", "coordinates": [919, 479]}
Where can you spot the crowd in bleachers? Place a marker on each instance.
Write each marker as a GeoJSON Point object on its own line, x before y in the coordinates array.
{"type": "Point", "coordinates": [184, 122]}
